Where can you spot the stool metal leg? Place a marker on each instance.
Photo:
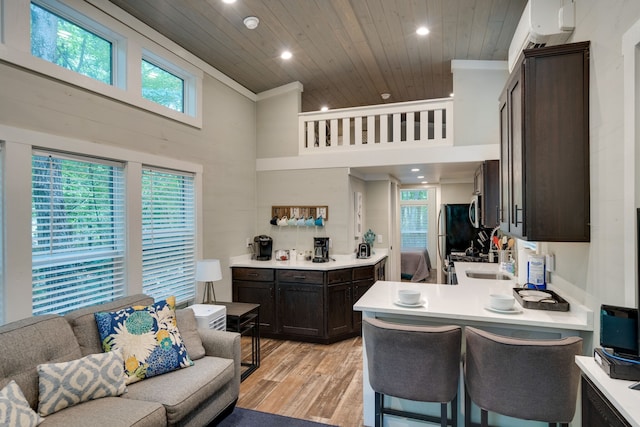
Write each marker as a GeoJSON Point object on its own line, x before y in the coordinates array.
{"type": "Point", "coordinates": [484, 418]}
{"type": "Point", "coordinates": [378, 408]}
{"type": "Point", "coordinates": [467, 409]}
{"type": "Point", "coordinates": [443, 415]}
{"type": "Point", "coordinates": [454, 411]}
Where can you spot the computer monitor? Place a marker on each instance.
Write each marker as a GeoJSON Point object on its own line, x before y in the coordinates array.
{"type": "Point", "coordinates": [619, 329]}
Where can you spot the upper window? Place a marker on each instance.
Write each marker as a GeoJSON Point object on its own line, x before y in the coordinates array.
{"type": "Point", "coordinates": [62, 42]}
{"type": "Point", "coordinates": [168, 234]}
{"type": "Point", "coordinates": [78, 232]}
{"type": "Point", "coordinates": [162, 87]}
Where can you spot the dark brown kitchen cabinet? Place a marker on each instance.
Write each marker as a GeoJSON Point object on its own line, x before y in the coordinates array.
{"type": "Point", "coordinates": [597, 411]}
{"type": "Point", "coordinates": [306, 305]}
{"type": "Point", "coordinates": [544, 153]}
{"type": "Point", "coordinates": [257, 286]}
{"type": "Point", "coordinates": [487, 185]}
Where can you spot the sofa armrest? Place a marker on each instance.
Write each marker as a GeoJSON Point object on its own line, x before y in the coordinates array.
{"type": "Point", "coordinates": [220, 343]}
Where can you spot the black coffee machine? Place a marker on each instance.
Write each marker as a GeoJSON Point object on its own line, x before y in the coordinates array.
{"type": "Point", "coordinates": [320, 249]}
{"type": "Point", "coordinates": [262, 247]}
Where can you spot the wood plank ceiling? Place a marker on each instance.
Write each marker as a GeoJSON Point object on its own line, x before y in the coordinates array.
{"type": "Point", "coordinates": [346, 53]}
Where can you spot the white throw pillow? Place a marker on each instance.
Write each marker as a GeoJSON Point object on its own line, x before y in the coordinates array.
{"type": "Point", "coordinates": [14, 408]}
{"type": "Point", "coordinates": [66, 384]}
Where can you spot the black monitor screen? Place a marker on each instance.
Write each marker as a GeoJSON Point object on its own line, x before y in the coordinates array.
{"type": "Point", "coordinates": [619, 329]}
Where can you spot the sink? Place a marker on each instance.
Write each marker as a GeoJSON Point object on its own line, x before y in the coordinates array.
{"type": "Point", "coordinates": [487, 275]}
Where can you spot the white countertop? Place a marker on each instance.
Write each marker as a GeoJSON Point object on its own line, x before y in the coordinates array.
{"type": "Point", "coordinates": [466, 302]}
{"type": "Point", "coordinates": [341, 261]}
{"type": "Point", "coordinates": [625, 400]}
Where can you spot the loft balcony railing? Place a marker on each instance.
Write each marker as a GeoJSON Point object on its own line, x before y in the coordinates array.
{"type": "Point", "coordinates": [406, 124]}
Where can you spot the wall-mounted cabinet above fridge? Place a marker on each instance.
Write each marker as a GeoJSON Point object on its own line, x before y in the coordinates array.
{"type": "Point", "coordinates": [544, 153]}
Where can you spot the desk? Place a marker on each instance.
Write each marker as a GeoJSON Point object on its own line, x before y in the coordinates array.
{"type": "Point", "coordinates": [244, 318]}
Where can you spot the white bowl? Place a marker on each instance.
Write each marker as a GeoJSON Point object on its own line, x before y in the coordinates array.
{"type": "Point", "coordinates": [409, 296]}
{"type": "Point", "coordinates": [501, 301]}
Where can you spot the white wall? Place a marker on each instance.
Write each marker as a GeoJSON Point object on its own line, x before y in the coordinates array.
{"type": "Point", "coordinates": [225, 146]}
{"type": "Point", "coordinates": [477, 86]}
{"type": "Point", "coordinates": [277, 121]}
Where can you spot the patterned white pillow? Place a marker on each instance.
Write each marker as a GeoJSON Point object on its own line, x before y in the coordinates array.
{"type": "Point", "coordinates": [14, 408]}
{"type": "Point", "coordinates": [66, 384]}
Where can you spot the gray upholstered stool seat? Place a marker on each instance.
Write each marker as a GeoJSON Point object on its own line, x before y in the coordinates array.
{"type": "Point", "coordinates": [521, 378]}
{"type": "Point", "coordinates": [420, 363]}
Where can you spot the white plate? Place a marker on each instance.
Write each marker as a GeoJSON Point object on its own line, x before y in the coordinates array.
{"type": "Point", "coordinates": [532, 293]}
{"type": "Point", "coordinates": [495, 310]}
{"type": "Point", "coordinates": [402, 304]}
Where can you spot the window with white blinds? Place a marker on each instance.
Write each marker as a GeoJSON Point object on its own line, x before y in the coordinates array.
{"type": "Point", "coordinates": [168, 234]}
{"type": "Point", "coordinates": [414, 219]}
{"type": "Point", "coordinates": [78, 232]}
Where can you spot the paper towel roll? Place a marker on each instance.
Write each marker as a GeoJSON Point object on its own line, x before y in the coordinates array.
{"type": "Point", "coordinates": [523, 258]}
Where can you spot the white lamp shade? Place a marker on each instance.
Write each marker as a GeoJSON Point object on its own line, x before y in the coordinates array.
{"type": "Point", "coordinates": [208, 270]}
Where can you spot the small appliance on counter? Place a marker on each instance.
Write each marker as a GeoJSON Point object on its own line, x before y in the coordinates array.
{"type": "Point", "coordinates": [364, 250]}
{"type": "Point", "coordinates": [619, 354]}
{"type": "Point", "coordinates": [320, 249]}
{"type": "Point", "coordinates": [262, 247]}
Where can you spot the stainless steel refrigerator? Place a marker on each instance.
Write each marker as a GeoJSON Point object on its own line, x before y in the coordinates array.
{"type": "Point", "coordinates": [455, 232]}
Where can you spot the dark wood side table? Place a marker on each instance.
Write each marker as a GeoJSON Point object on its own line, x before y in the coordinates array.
{"type": "Point", "coordinates": [244, 318]}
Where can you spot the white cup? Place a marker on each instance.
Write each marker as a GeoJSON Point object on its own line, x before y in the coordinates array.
{"type": "Point", "coordinates": [409, 296]}
{"type": "Point", "coordinates": [501, 301]}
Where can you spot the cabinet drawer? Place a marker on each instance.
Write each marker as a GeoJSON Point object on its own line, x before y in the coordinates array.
{"type": "Point", "coordinates": [301, 276]}
{"type": "Point", "coordinates": [360, 273]}
{"type": "Point", "coordinates": [339, 276]}
{"type": "Point", "coordinates": [254, 274]}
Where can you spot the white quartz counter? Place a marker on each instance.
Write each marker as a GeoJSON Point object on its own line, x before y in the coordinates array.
{"type": "Point", "coordinates": [625, 400]}
{"type": "Point", "coordinates": [339, 261]}
{"type": "Point", "coordinates": [465, 303]}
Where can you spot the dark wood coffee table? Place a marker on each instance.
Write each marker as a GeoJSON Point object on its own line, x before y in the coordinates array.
{"type": "Point", "coordinates": [244, 318]}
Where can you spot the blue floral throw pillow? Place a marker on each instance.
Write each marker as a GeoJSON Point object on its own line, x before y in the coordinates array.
{"type": "Point", "coordinates": [148, 337]}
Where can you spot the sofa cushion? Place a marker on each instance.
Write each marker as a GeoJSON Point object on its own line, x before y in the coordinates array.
{"type": "Point", "coordinates": [149, 337]}
{"type": "Point", "coordinates": [188, 327]}
{"type": "Point", "coordinates": [93, 377]}
{"type": "Point", "coordinates": [110, 411]}
{"type": "Point", "coordinates": [181, 392]}
{"type": "Point", "coordinates": [26, 343]}
{"type": "Point", "coordinates": [83, 322]}
{"type": "Point", "coordinates": [14, 408]}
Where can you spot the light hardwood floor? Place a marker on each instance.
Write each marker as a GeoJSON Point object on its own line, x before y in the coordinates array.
{"type": "Point", "coordinates": [315, 382]}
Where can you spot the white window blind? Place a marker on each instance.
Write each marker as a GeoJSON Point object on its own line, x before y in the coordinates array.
{"type": "Point", "coordinates": [78, 247]}
{"type": "Point", "coordinates": [414, 219]}
{"type": "Point", "coordinates": [168, 234]}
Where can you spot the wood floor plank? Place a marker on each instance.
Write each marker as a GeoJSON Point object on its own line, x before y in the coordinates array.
{"type": "Point", "coordinates": [321, 383]}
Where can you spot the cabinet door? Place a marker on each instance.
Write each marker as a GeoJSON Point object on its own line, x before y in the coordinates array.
{"type": "Point", "coordinates": [339, 308]}
{"type": "Point", "coordinates": [517, 202]}
{"type": "Point", "coordinates": [360, 287]}
{"type": "Point", "coordinates": [490, 203]}
{"type": "Point", "coordinates": [300, 308]}
{"type": "Point", "coordinates": [503, 213]}
{"type": "Point", "coordinates": [597, 411]}
{"type": "Point", "coordinates": [258, 293]}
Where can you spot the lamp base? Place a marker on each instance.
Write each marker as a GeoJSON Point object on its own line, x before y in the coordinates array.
{"type": "Point", "coordinates": [209, 292]}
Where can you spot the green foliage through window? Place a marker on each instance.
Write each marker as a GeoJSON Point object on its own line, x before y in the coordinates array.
{"type": "Point", "coordinates": [68, 45]}
{"type": "Point", "coordinates": [162, 87]}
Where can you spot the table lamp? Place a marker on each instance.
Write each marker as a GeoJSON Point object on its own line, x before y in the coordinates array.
{"type": "Point", "coordinates": [208, 271]}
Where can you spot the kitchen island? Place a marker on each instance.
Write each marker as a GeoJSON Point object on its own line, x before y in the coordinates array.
{"type": "Point", "coordinates": [464, 304]}
{"type": "Point", "coordinates": [304, 300]}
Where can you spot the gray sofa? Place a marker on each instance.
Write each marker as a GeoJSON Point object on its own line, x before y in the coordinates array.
{"type": "Point", "coordinates": [193, 396]}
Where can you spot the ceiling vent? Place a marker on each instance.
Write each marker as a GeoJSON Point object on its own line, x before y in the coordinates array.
{"type": "Point", "coordinates": [543, 23]}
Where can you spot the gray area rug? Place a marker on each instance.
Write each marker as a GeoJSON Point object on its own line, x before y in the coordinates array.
{"type": "Point", "coordinates": [247, 418]}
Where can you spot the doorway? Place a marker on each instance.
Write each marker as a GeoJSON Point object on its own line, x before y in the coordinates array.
{"type": "Point", "coordinates": [418, 231]}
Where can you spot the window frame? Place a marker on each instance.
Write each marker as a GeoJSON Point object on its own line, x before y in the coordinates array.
{"type": "Point", "coordinates": [130, 46]}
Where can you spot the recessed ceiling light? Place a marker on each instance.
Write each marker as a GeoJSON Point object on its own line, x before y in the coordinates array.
{"type": "Point", "coordinates": [415, 170]}
{"type": "Point", "coordinates": [228, 1]}
{"type": "Point", "coordinates": [286, 55]}
{"type": "Point", "coordinates": [424, 182]}
{"type": "Point", "coordinates": [251, 22]}
{"type": "Point", "coordinates": [421, 176]}
{"type": "Point", "coordinates": [451, 95]}
{"type": "Point", "coordinates": [385, 96]}
{"type": "Point", "coordinates": [324, 108]}
{"type": "Point", "coordinates": [422, 31]}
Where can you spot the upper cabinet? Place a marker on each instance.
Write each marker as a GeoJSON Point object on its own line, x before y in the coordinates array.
{"type": "Point", "coordinates": [486, 184]}
{"type": "Point", "coordinates": [544, 153]}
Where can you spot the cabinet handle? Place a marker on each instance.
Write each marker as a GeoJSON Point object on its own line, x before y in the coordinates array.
{"type": "Point", "coordinates": [499, 214]}
{"type": "Point", "coordinates": [515, 216]}
{"type": "Point", "coordinates": [252, 274]}
{"type": "Point", "coordinates": [300, 277]}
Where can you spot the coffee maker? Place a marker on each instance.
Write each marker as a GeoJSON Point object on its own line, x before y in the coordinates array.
{"type": "Point", "coordinates": [262, 247]}
{"type": "Point", "coordinates": [320, 249]}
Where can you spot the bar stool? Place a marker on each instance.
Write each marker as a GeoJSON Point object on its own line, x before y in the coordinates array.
{"type": "Point", "coordinates": [522, 378]}
{"type": "Point", "coordinates": [420, 363]}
